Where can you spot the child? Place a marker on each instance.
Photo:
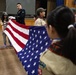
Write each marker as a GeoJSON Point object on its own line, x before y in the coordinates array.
{"type": "Point", "coordinates": [40, 14]}
{"type": "Point", "coordinates": [60, 58]}
{"type": "Point", "coordinates": [4, 22]}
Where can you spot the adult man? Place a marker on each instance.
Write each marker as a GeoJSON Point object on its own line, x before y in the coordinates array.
{"type": "Point", "coordinates": [20, 17]}
{"type": "Point", "coordinates": [40, 12]}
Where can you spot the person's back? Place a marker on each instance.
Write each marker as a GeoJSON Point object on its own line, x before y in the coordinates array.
{"type": "Point", "coordinates": [60, 58]}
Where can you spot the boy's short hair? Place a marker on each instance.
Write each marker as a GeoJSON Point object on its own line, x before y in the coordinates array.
{"type": "Point", "coordinates": [18, 3]}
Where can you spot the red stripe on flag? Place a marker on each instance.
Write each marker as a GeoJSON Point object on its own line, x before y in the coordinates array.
{"type": "Point", "coordinates": [16, 40]}
{"type": "Point", "coordinates": [20, 33]}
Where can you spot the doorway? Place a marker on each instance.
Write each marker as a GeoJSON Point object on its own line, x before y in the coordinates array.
{"type": "Point", "coordinates": [41, 3]}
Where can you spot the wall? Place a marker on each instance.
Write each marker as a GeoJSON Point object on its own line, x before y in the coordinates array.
{"type": "Point", "coordinates": [51, 4]}
{"type": "Point", "coordinates": [70, 3]}
{"type": "Point", "coordinates": [29, 21]}
{"type": "Point", "coordinates": [28, 5]}
{"type": "Point", "coordinates": [2, 6]}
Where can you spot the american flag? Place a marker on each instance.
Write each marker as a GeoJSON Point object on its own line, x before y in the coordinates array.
{"type": "Point", "coordinates": [29, 42]}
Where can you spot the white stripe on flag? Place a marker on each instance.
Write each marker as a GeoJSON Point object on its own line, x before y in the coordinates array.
{"type": "Point", "coordinates": [16, 46]}
{"type": "Point", "coordinates": [23, 40]}
{"type": "Point", "coordinates": [19, 28]}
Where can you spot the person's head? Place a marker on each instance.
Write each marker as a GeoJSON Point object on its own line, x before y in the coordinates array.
{"type": "Point", "coordinates": [4, 16]}
{"type": "Point", "coordinates": [19, 6]}
{"type": "Point", "coordinates": [40, 12]}
{"type": "Point", "coordinates": [60, 24]}
{"type": "Point", "coordinates": [59, 19]}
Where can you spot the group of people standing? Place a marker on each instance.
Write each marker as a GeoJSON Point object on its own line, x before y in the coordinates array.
{"type": "Point", "coordinates": [60, 57]}
{"type": "Point", "coordinates": [20, 18]}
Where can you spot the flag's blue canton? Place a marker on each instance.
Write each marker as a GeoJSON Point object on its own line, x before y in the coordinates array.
{"type": "Point", "coordinates": [36, 44]}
